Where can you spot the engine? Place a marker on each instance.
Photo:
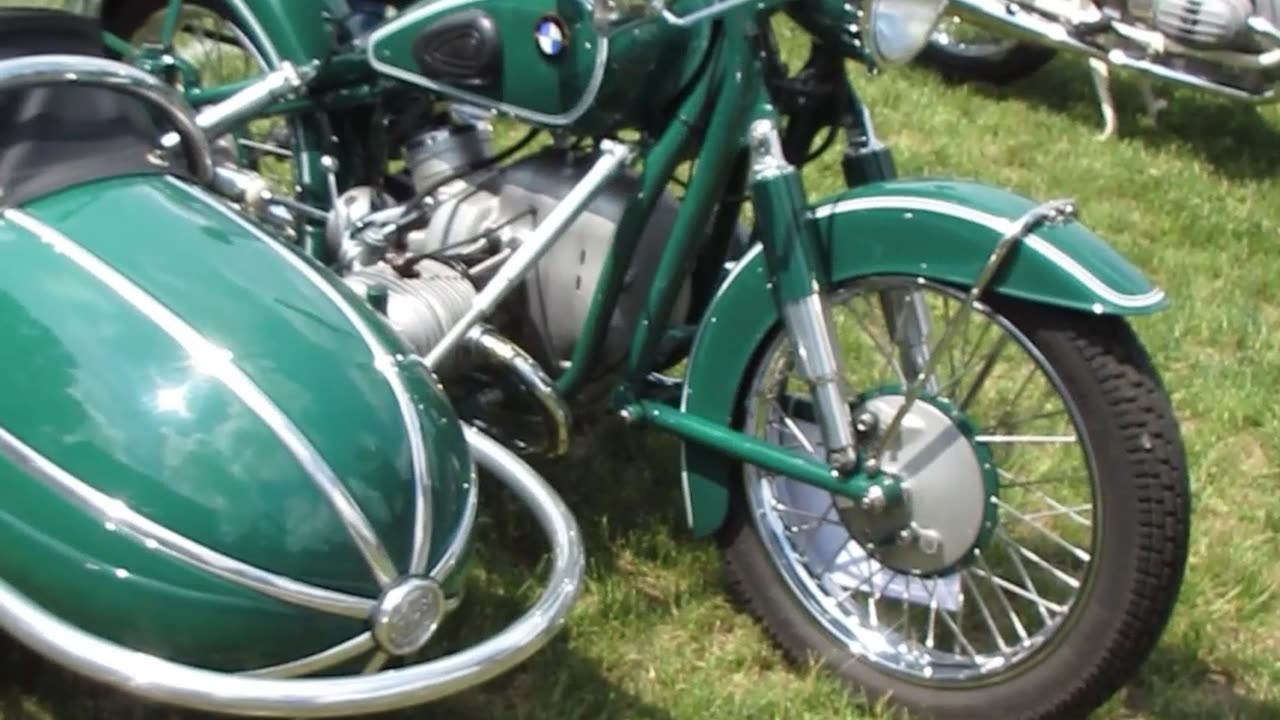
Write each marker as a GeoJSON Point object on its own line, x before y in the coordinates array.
{"type": "Point", "coordinates": [425, 277]}
{"type": "Point", "coordinates": [1206, 24]}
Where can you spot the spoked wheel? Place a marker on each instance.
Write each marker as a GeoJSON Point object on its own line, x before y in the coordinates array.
{"type": "Point", "coordinates": [964, 53]}
{"type": "Point", "coordinates": [198, 46]}
{"type": "Point", "coordinates": [1046, 485]}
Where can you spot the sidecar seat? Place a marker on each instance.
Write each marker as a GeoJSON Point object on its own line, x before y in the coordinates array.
{"type": "Point", "coordinates": [58, 136]}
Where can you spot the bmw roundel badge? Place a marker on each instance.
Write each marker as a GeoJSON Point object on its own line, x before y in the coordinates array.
{"type": "Point", "coordinates": [551, 36]}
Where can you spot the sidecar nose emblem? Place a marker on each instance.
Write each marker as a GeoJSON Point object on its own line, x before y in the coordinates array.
{"type": "Point", "coordinates": [407, 615]}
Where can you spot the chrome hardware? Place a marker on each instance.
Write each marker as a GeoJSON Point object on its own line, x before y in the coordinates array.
{"type": "Point", "coordinates": [219, 118]}
{"type": "Point", "coordinates": [279, 84]}
{"type": "Point", "coordinates": [874, 501]}
{"type": "Point", "coordinates": [767, 157]}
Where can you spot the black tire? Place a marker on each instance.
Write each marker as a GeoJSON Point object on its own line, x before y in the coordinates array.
{"type": "Point", "coordinates": [1138, 567]}
{"type": "Point", "coordinates": [1020, 61]}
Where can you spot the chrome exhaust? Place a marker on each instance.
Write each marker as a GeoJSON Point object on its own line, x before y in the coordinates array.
{"type": "Point", "coordinates": [489, 346]}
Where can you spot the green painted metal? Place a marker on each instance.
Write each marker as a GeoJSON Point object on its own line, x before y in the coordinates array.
{"type": "Point", "coordinates": [744, 448]}
{"type": "Point", "coordinates": [939, 229]}
{"type": "Point", "coordinates": [725, 135]}
{"type": "Point", "coordinates": [288, 30]}
{"type": "Point", "coordinates": [660, 163]}
{"type": "Point", "coordinates": [104, 392]}
{"type": "Point", "coordinates": [791, 254]}
{"type": "Point", "coordinates": [590, 86]}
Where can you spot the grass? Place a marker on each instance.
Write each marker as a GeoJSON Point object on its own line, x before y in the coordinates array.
{"type": "Point", "coordinates": [1194, 201]}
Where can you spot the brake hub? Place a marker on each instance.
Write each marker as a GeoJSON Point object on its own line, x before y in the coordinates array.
{"type": "Point", "coordinates": [948, 481]}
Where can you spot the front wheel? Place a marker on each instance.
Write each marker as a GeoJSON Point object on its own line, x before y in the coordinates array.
{"type": "Point", "coordinates": [1042, 464]}
{"type": "Point", "coordinates": [962, 53]}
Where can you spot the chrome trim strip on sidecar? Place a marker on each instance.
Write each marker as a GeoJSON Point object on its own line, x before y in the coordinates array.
{"type": "Point", "coordinates": [1002, 226]}
{"type": "Point", "coordinates": [218, 362]}
{"type": "Point", "coordinates": [117, 516]}
{"type": "Point", "coordinates": [457, 546]}
{"type": "Point", "coordinates": [442, 7]}
{"type": "Point", "coordinates": [164, 681]}
{"type": "Point", "coordinates": [349, 650]}
{"type": "Point", "coordinates": [382, 360]}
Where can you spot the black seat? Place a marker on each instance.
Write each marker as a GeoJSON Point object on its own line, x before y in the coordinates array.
{"type": "Point", "coordinates": [58, 136]}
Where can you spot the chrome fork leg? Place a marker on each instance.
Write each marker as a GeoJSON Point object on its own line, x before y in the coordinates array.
{"type": "Point", "coordinates": [910, 327]}
{"type": "Point", "coordinates": [777, 195]}
{"type": "Point", "coordinates": [812, 332]}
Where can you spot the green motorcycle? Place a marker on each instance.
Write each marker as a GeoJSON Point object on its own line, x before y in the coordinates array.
{"type": "Point", "coordinates": [913, 415]}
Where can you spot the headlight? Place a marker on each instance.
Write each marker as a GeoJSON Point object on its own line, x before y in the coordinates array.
{"type": "Point", "coordinates": [895, 31]}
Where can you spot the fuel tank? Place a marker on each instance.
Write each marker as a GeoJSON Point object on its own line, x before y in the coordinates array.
{"type": "Point", "coordinates": [196, 421]}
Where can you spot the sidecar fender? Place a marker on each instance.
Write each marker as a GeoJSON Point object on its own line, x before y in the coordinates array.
{"type": "Point", "coordinates": [943, 230]}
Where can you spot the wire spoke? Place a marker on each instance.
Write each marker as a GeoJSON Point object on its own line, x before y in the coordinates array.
{"type": "Point", "coordinates": [1028, 439]}
{"type": "Point", "coordinates": [1052, 569]}
{"type": "Point", "coordinates": [1080, 554]}
{"type": "Point", "coordinates": [984, 611]}
{"type": "Point", "coordinates": [1004, 601]}
{"type": "Point", "coordinates": [1039, 601]}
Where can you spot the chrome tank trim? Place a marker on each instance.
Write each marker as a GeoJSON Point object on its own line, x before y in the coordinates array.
{"type": "Point", "coordinates": [444, 6]}
{"type": "Point", "coordinates": [219, 363]}
{"type": "Point", "coordinates": [169, 682]}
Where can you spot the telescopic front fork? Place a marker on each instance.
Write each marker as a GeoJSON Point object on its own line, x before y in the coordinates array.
{"type": "Point", "coordinates": [797, 276]}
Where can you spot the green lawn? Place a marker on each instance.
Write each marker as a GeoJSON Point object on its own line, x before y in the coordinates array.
{"type": "Point", "coordinates": [1196, 202]}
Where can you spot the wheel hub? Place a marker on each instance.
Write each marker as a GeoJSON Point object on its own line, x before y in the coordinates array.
{"type": "Point", "coordinates": [947, 480]}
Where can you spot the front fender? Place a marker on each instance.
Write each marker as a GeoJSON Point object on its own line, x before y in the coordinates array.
{"type": "Point", "coordinates": [940, 229]}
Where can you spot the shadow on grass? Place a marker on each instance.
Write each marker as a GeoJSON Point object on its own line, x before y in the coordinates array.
{"type": "Point", "coordinates": [1233, 137]}
{"type": "Point", "coordinates": [557, 683]}
{"type": "Point", "coordinates": [1176, 684]}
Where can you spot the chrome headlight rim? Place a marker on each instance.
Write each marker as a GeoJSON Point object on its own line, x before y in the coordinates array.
{"type": "Point", "coordinates": [870, 20]}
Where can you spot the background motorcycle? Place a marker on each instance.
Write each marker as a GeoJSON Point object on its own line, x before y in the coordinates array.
{"type": "Point", "coordinates": [1230, 48]}
{"type": "Point", "coordinates": [891, 336]}
{"type": "Point", "coordinates": [219, 469]}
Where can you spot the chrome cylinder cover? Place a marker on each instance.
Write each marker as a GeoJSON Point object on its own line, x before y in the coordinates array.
{"type": "Point", "coordinates": [1203, 23]}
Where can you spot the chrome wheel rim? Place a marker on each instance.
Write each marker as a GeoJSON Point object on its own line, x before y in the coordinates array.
{"type": "Point", "coordinates": [995, 613]}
